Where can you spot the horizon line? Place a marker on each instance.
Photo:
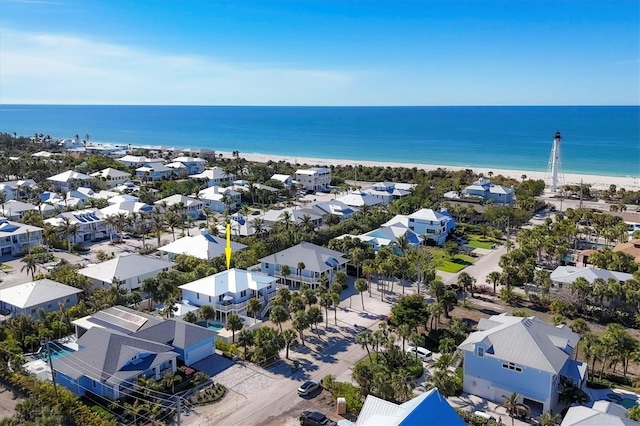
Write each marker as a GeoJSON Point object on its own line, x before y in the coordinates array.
{"type": "Point", "coordinates": [323, 106]}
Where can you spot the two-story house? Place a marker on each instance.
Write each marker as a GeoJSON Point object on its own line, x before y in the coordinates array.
{"type": "Point", "coordinates": [360, 199]}
{"type": "Point", "coordinates": [90, 223]}
{"type": "Point", "coordinates": [430, 224]}
{"type": "Point", "coordinates": [485, 190]}
{"type": "Point", "coordinates": [29, 298]}
{"type": "Point", "coordinates": [16, 238]}
{"type": "Point", "coordinates": [219, 198]}
{"type": "Point", "coordinates": [389, 191]}
{"type": "Point", "coordinates": [194, 165]}
{"type": "Point", "coordinates": [128, 270]}
{"type": "Point", "coordinates": [286, 180]}
{"type": "Point", "coordinates": [69, 180]}
{"type": "Point", "coordinates": [153, 172]}
{"type": "Point", "coordinates": [191, 206]}
{"type": "Point", "coordinates": [314, 179]}
{"type": "Point", "coordinates": [214, 176]}
{"type": "Point", "coordinates": [138, 160]}
{"type": "Point", "coordinates": [229, 291]}
{"type": "Point", "coordinates": [203, 246]}
{"type": "Point", "coordinates": [510, 354]}
{"type": "Point", "coordinates": [307, 262]}
{"type": "Point", "coordinates": [112, 177]}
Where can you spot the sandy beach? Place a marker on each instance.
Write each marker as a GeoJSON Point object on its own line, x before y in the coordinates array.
{"type": "Point", "coordinates": [596, 182]}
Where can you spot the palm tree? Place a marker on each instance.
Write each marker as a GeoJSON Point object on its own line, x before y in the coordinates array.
{"type": "Point", "coordinates": [466, 282]}
{"type": "Point", "coordinates": [234, 323]}
{"type": "Point", "coordinates": [315, 316]}
{"type": "Point", "coordinates": [278, 315]}
{"type": "Point", "coordinates": [157, 224]}
{"type": "Point", "coordinates": [356, 256]}
{"type": "Point", "coordinates": [326, 300]}
{"type": "Point", "coordinates": [581, 327]}
{"type": "Point", "coordinates": [285, 271]}
{"type": "Point", "coordinates": [365, 339]}
{"type": "Point", "coordinates": [290, 340]}
{"type": "Point", "coordinates": [68, 229]}
{"type": "Point", "coordinates": [494, 278]}
{"type": "Point", "coordinates": [206, 313]}
{"type": "Point", "coordinates": [549, 419]}
{"type": "Point", "coordinates": [301, 267]}
{"type": "Point", "coordinates": [361, 286]}
{"type": "Point", "coordinates": [170, 380]}
{"type": "Point", "coordinates": [301, 323]}
{"type": "Point", "coordinates": [253, 307]}
{"type": "Point", "coordinates": [515, 408]}
{"type": "Point", "coordinates": [30, 264]}
{"type": "Point", "coordinates": [245, 339]}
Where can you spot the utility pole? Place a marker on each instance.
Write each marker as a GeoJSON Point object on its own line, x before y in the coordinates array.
{"type": "Point", "coordinates": [53, 373]}
{"type": "Point", "coordinates": [178, 410]}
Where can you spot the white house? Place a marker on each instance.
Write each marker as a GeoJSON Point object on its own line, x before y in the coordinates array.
{"type": "Point", "coordinates": [66, 181]}
{"type": "Point", "coordinates": [359, 199]}
{"type": "Point", "coordinates": [179, 169]}
{"type": "Point", "coordinates": [601, 413]}
{"type": "Point", "coordinates": [286, 180]}
{"type": "Point", "coordinates": [154, 172]}
{"type": "Point", "coordinates": [388, 236]}
{"type": "Point", "coordinates": [15, 210]}
{"type": "Point", "coordinates": [90, 222]}
{"type": "Point", "coordinates": [229, 291]}
{"type": "Point", "coordinates": [296, 216]}
{"type": "Point", "coordinates": [130, 270]}
{"type": "Point", "coordinates": [203, 246]}
{"type": "Point", "coordinates": [16, 189]}
{"type": "Point", "coordinates": [430, 224]}
{"type": "Point", "coordinates": [333, 207]}
{"type": "Point", "coordinates": [214, 176]}
{"type": "Point", "coordinates": [29, 298]}
{"type": "Point", "coordinates": [510, 354]}
{"type": "Point", "coordinates": [112, 177]}
{"type": "Point", "coordinates": [315, 261]}
{"type": "Point", "coordinates": [242, 225]}
{"type": "Point", "coordinates": [219, 199]}
{"type": "Point", "coordinates": [389, 191]}
{"type": "Point", "coordinates": [138, 160]}
{"type": "Point", "coordinates": [191, 206]}
{"type": "Point", "coordinates": [485, 190]}
{"type": "Point", "coordinates": [566, 275]}
{"type": "Point", "coordinates": [16, 238]}
{"type": "Point", "coordinates": [126, 207]}
{"type": "Point", "coordinates": [314, 179]}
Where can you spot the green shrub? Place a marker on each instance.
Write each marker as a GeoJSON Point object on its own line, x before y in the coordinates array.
{"type": "Point", "coordinates": [471, 419]}
{"type": "Point", "coordinates": [350, 393]}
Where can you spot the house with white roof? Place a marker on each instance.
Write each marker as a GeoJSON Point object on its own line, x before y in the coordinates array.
{"type": "Point", "coordinates": [214, 176]}
{"type": "Point", "coordinates": [219, 198]}
{"type": "Point", "coordinates": [601, 413]}
{"type": "Point", "coordinates": [314, 179]}
{"type": "Point", "coordinates": [333, 207]}
{"type": "Point", "coordinates": [191, 206]}
{"type": "Point", "coordinates": [123, 198]}
{"type": "Point", "coordinates": [389, 191]}
{"type": "Point", "coordinates": [69, 180]}
{"type": "Point", "coordinates": [388, 236]}
{"type": "Point", "coordinates": [296, 216]}
{"type": "Point", "coordinates": [16, 238]}
{"type": "Point", "coordinates": [138, 160]}
{"type": "Point", "coordinates": [126, 207]}
{"type": "Point", "coordinates": [29, 298]}
{"type": "Point", "coordinates": [90, 222]}
{"type": "Point", "coordinates": [485, 190]}
{"type": "Point", "coordinates": [194, 165]}
{"type": "Point", "coordinates": [510, 354]}
{"type": "Point", "coordinates": [16, 189]}
{"type": "Point", "coordinates": [229, 291]}
{"type": "Point", "coordinates": [154, 172]}
{"type": "Point", "coordinates": [286, 180]}
{"type": "Point", "coordinates": [427, 223]}
{"type": "Point", "coordinates": [427, 409]}
{"type": "Point", "coordinates": [242, 225]}
{"type": "Point", "coordinates": [112, 177]}
{"type": "Point", "coordinates": [316, 261]}
{"type": "Point", "coordinates": [179, 169]}
{"type": "Point", "coordinates": [129, 270]}
{"type": "Point", "coordinates": [15, 210]}
{"type": "Point", "coordinates": [358, 199]}
{"type": "Point", "coordinates": [565, 275]}
{"type": "Point", "coordinates": [203, 246]}
{"type": "Point", "coordinates": [43, 154]}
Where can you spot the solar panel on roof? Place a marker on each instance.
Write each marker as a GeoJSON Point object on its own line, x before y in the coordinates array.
{"type": "Point", "coordinates": [94, 217]}
{"type": "Point", "coordinates": [80, 218]}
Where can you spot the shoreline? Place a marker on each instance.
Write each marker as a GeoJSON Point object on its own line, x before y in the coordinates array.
{"type": "Point", "coordinates": [597, 182]}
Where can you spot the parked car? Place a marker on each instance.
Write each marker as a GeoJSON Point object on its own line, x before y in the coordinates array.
{"type": "Point", "coordinates": [424, 354]}
{"type": "Point", "coordinates": [313, 418]}
{"type": "Point", "coordinates": [484, 415]}
{"type": "Point", "coordinates": [308, 387]}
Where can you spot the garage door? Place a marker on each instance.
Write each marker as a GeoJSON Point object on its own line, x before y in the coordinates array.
{"type": "Point", "coordinates": [196, 354]}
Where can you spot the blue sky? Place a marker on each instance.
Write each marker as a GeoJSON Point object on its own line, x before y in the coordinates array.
{"type": "Point", "coordinates": [365, 52]}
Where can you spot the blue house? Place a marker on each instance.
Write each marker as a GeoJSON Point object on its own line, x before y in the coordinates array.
{"type": "Point", "coordinates": [484, 189]}
{"type": "Point", "coordinates": [428, 409]}
{"type": "Point", "coordinates": [29, 298]}
{"type": "Point", "coordinates": [510, 354]}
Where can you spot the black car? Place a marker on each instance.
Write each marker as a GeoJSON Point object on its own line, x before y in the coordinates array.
{"type": "Point", "coordinates": [313, 418]}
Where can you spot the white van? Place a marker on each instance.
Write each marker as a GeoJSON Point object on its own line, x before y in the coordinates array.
{"type": "Point", "coordinates": [424, 354]}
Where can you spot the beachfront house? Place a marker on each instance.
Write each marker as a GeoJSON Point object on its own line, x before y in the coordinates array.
{"type": "Point", "coordinates": [229, 291]}
{"type": "Point", "coordinates": [510, 354]}
{"type": "Point", "coordinates": [307, 262]}
{"type": "Point", "coordinates": [129, 271]}
{"type": "Point", "coordinates": [314, 179]}
{"type": "Point", "coordinates": [192, 207]}
{"type": "Point", "coordinates": [90, 223]}
{"type": "Point", "coordinates": [203, 246]}
{"type": "Point", "coordinates": [214, 176]}
{"type": "Point", "coordinates": [220, 198]}
{"type": "Point", "coordinates": [112, 177]}
{"type": "Point", "coordinates": [29, 298]}
{"type": "Point", "coordinates": [484, 190]}
{"type": "Point", "coordinates": [16, 238]}
{"type": "Point", "coordinates": [69, 180]}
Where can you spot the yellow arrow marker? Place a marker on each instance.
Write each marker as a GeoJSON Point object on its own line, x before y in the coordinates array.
{"type": "Point", "coordinates": [227, 250]}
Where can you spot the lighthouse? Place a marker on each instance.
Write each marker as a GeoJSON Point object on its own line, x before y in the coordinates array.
{"type": "Point", "coordinates": [555, 161]}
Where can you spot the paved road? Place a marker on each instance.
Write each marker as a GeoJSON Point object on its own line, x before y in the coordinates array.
{"type": "Point", "coordinates": [482, 267]}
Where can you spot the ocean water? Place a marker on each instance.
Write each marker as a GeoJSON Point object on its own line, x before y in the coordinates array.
{"type": "Point", "coordinates": [596, 140]}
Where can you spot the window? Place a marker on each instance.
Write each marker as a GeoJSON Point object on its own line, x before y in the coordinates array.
{"type": "Point", "coordinates": [220, 298]}
{"type": "Point", "coordinates": [33, 311]}
{"type": "Point", "coordinates": [243, 293]}
{"type": "Point", "coordinates": [68, 300]}
{"type": "Point", "coordinates": [481, 352]}
{"type": "Point", "coordinates": [266, 265]}
{"type": "Point", "coordinates": [511, 366]}
{"type": "Point", "coordinates": [209, 299]}
{"type": "Point", "coordinates": [197, 295]}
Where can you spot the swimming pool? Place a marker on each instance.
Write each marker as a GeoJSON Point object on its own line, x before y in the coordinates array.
{"type": "Point", "coordinates": [628, 403]}
{"type": "Point", "coordinates": [57, 352]}
{"type": "Point", "coordinates": [213, 326]}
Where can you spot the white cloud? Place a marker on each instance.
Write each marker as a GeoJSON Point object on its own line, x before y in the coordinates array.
{"type": "Point", "coordinates": [59, 68]}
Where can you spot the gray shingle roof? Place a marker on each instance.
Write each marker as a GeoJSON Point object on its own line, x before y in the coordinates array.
{"type": "Point", "coordinates": [36, 293]}
{"type": "Point", "coordinates": [106, 355]}
{"type": "Point", "coordinates": [124, 267]}
{"type": "Point", "coordinates": [315, 258]}
{"type": "Point", "coordinates": [177, 333]}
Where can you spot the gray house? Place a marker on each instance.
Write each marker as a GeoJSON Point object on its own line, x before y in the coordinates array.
{"type": "Point", "coordinates": [29, 298]}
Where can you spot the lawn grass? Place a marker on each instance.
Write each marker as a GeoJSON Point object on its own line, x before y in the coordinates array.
{"type": "Point", "coordinates": [481, 242]}
{"type": "Point", "coordinates": [458, 263]}
{"type": "Point", "coordinates": [4, 266]}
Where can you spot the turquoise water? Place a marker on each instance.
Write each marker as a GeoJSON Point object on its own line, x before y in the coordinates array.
{"type": "Point", "coordinates": [56, 352]}
{"type": "Point", "coordinates": [628, 403]}
{"type": "Point", "coordinates": [214, 326]}
{"type": "Point", "coordinates": [596, 140]}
